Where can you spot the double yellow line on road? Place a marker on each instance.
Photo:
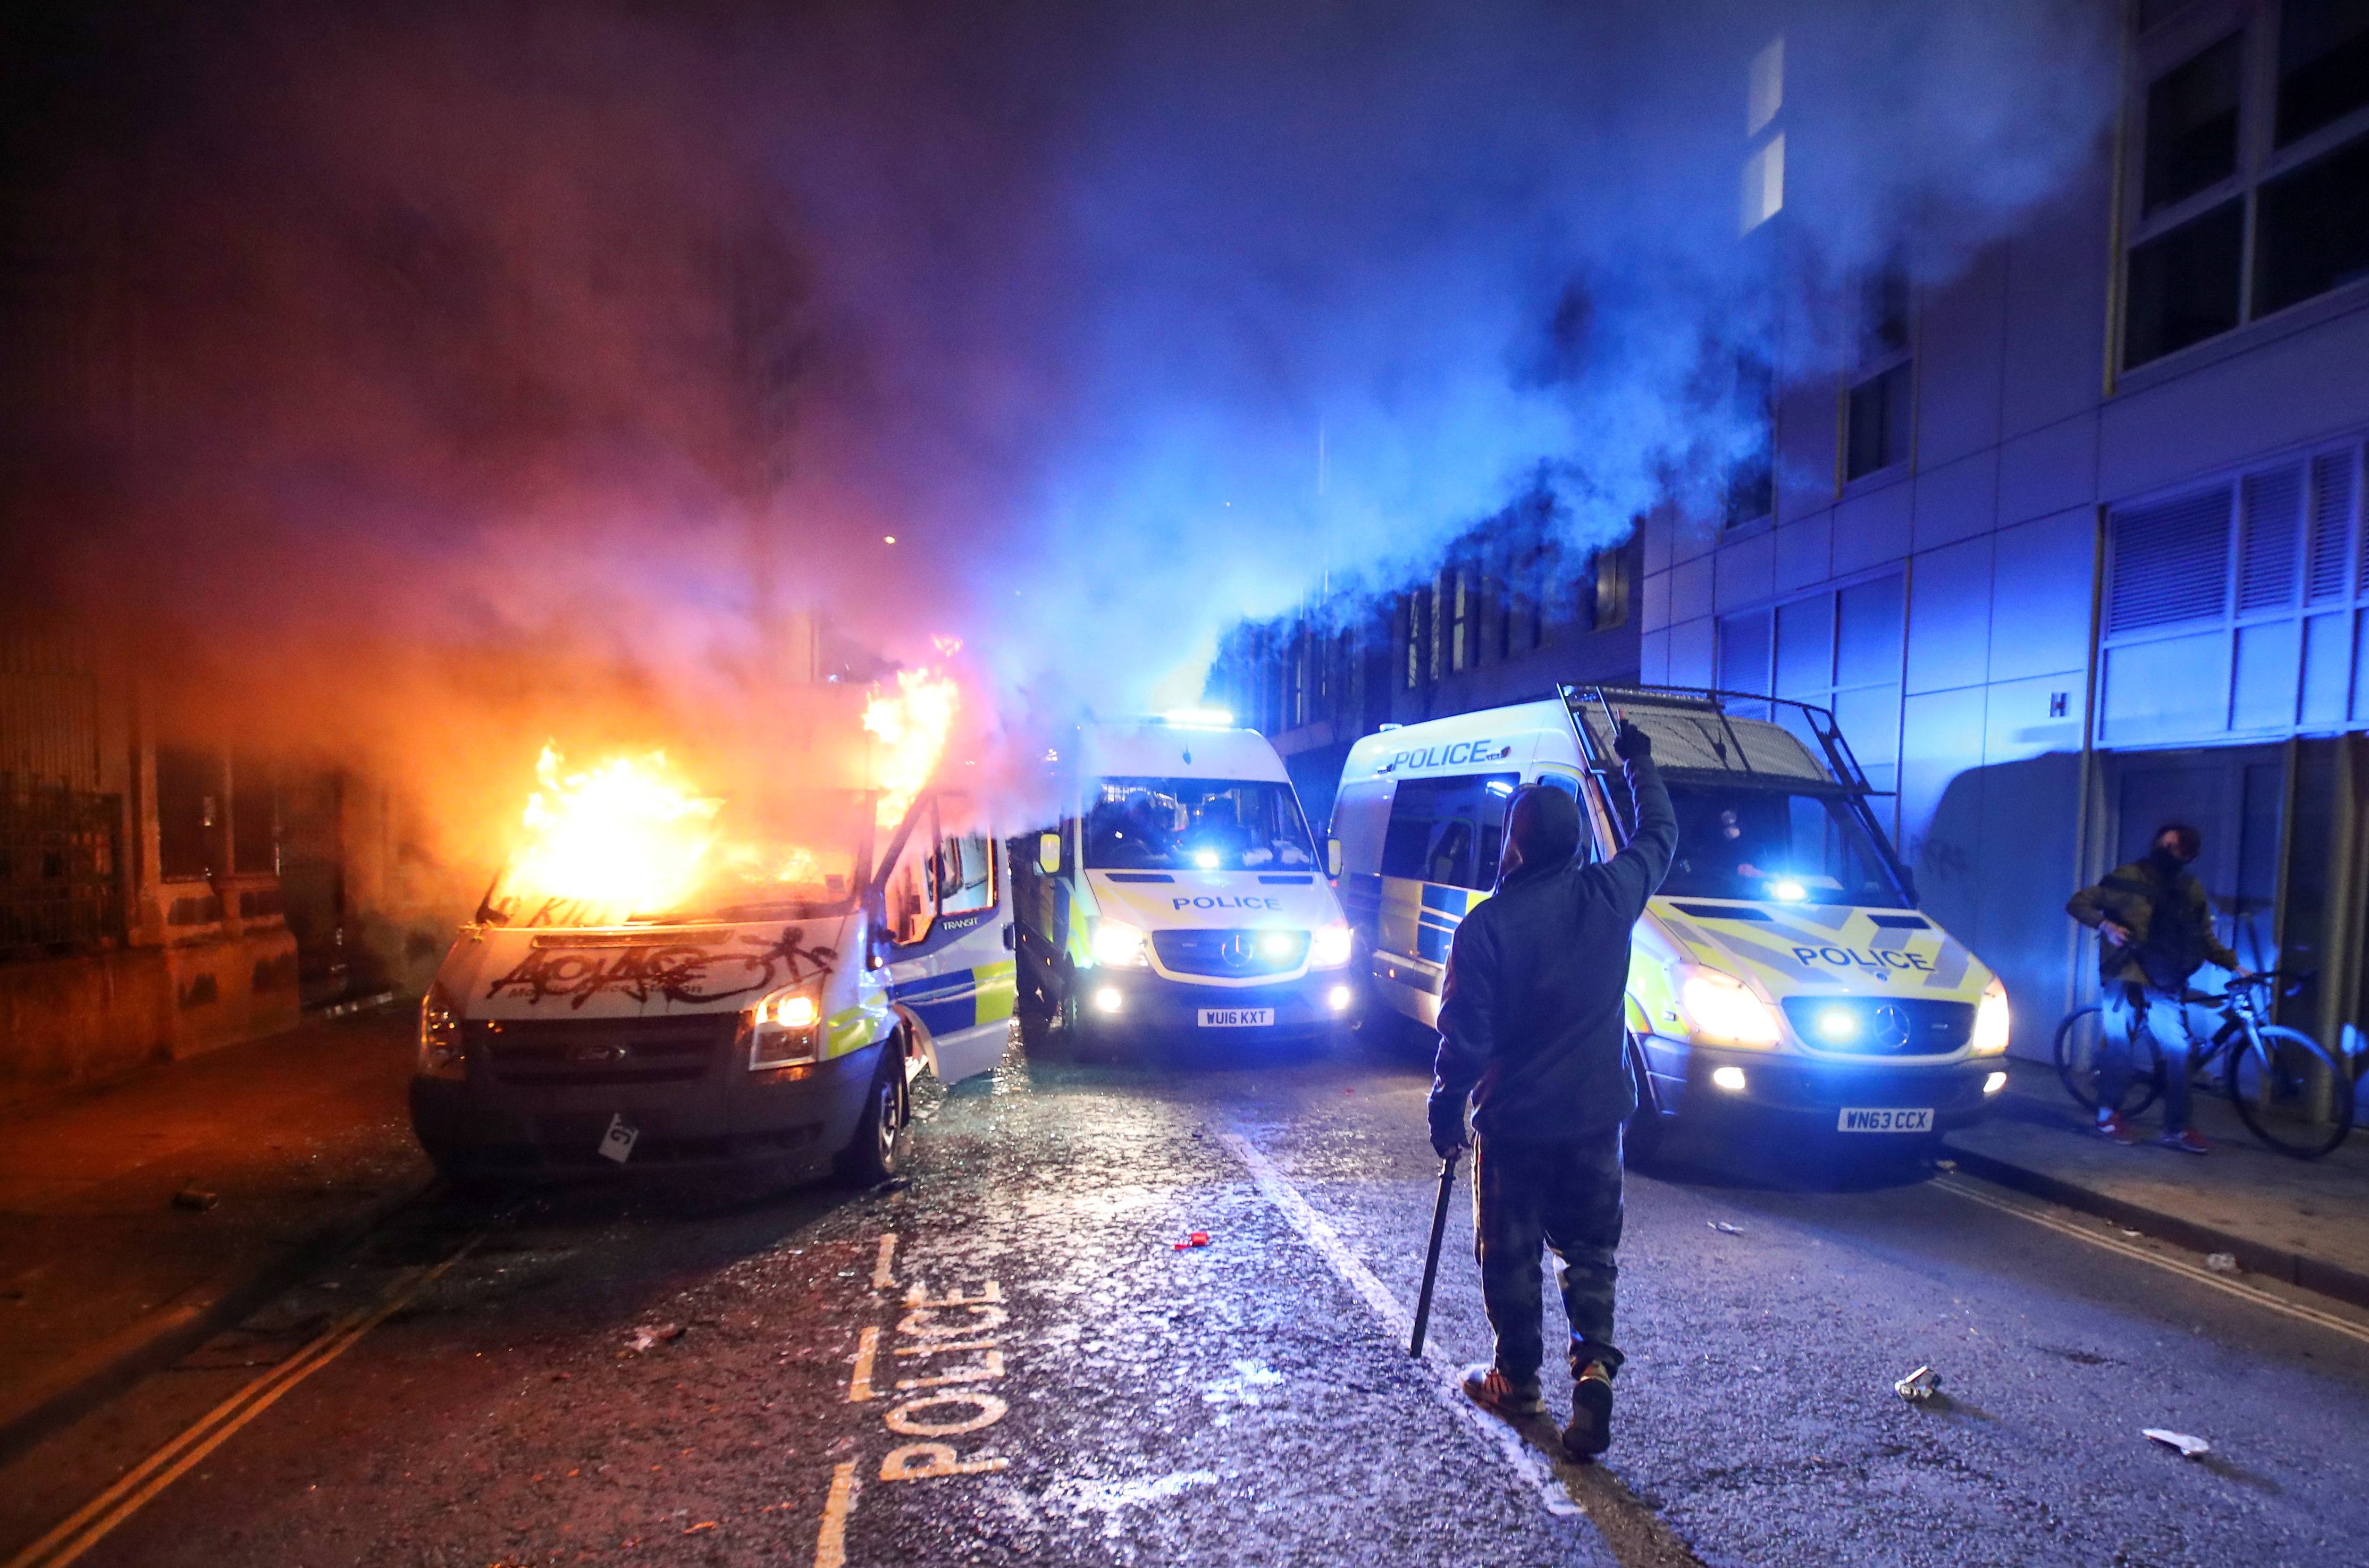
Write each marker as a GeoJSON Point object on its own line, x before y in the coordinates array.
{"type": "Point", "coordinates": [89, 1524]}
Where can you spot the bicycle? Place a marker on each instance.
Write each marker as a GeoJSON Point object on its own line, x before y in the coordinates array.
{"type": "Point", "coordinates": [2288, 1089]}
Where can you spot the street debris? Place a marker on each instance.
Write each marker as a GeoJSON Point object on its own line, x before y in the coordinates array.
{"type": "Point", "coordinates": [2222, 1263]}
{"type": "Point", "coordinates": [617, 1143]}
{"type": "Point", "coordinates": [2189, 1448]}
{"type": "Point", "coordinates": [1240, 1388]}
{"type": "Point", "coordinates": [1197, 1239]}
{"type": "Point", "coordinates": [1723, 1228]}
{"type": "Point", "coordinates": [195, 1197]}
{"type": "Point", "coordinates": [703, 1525]}
{"type": "Point", "coordinates": [650, 1334]}
{"type": "Point", "coordinates": [1918, 1386]}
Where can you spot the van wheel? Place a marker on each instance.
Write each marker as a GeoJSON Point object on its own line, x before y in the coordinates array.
{"type": "Point", "coordinates": [877, 1150]}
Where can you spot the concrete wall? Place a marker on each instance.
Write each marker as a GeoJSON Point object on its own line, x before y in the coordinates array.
{"type": "Point", "coordinates": [2021, 452]}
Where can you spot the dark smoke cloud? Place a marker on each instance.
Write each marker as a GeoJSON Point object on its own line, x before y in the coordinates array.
{"type": "Point", "coordinates": [498, 373]}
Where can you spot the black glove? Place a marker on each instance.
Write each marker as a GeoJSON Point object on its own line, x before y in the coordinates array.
{"type": "Point", "coordinates": [1632, 744]}
{"type": "Point", "coordinates": [1446, 1124]}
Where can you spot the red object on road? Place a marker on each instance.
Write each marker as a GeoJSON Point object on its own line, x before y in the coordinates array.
{"type": "Point", "coordinates": [1197, 1239]}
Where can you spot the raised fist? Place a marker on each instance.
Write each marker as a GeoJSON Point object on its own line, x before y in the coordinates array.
{"type": "Point", "coordinates": [1631, 743]}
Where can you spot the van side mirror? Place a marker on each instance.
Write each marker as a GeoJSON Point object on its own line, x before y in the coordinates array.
{"type": "Point", "coordinates": [1048, 852]}
{"type": "Point", "coordinates": [1332, 857]}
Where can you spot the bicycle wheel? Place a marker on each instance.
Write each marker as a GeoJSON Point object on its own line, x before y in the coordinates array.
{"type": "Point", "coordinates": [2078, 1042]}
{"type": "Point", "coordinates": [2291, 1091]}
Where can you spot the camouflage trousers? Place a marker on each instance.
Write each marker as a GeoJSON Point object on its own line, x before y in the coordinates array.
{"type": "Point", "coordinates": [1529, 1198]}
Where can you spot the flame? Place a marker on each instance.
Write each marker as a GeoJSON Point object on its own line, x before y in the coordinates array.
{"type": "Point", "coordinates": [911, 725]}
{"type": "Point", "coordinates": [626, 836]}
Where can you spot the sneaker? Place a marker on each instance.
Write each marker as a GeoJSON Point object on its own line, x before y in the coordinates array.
{"type": "Point", "coordinates": [2110, 1127]}
{"type": "Point", "coordinates": [2186, 1141]}
{"type": "Point", "coordinates": [1590, 1431]}
{"type": "Point", "coordinates": [1500, 1395]}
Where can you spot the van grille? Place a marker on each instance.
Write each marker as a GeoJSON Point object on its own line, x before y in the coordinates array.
{"type": "Point", "coordinates": [1888, 1025]}
{"type": "Point", "coordinates": [558, 1053]}
{"type": "Point", "coordinates": [1236, 951]}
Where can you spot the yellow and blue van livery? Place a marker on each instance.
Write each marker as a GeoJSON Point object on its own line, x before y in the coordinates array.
{"type": "Point", "coordinates": [1181, 891]}
{"type": "Point", "coordinates": [783, 1027]}
{"type": "Point", "coordinates": [1783, 967]}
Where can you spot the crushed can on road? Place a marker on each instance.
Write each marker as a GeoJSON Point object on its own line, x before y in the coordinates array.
{"type": "Point", "coordinates": [1918, 1386]}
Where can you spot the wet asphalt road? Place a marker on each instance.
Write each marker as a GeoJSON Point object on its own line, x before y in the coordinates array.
{"type": "Point", "coordinates": [1032, 1371]}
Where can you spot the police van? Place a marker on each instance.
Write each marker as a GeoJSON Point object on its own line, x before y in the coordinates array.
{"type": "Point", "coordinates": [1782, 971]}
{"type": "Point", "coordinates": [1180, 891]}
{"type": "Point", "coordinates": [779, 1015]}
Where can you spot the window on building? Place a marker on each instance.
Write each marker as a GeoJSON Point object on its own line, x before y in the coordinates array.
{"type": "Point", "coordinates": [1418, 636]}
{"type": "Point", "coordinates": [1764, 160]}
{"type": "Point", "coordinates": [254, 819]}
{"type": "Point", "coordinates": [191, 798]}
{"type": "Point", "coordinates": [1875, 423]}
{"type": "Point", "coordinates": [1752, 479]}
{"type": "Point", "coordinates": [1606, 588]}
{"type": "Point", "coordinates": [1462, 628]}
{"type": "Point", "coordinates": [2231, 155]}
{"type": "Point", "coordinates": [2323, 65]}
{"type": "Point", "coordinates": [2192, 125]}
{"type": "Point", "coordinates": [1876, 410]}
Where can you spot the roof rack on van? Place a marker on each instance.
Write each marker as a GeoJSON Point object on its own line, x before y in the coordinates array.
{"type": "Point", "coordinates": [1695, 732]}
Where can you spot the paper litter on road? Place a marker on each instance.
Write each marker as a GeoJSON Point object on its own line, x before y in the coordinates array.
{"type": "Point", "coordinates": [2189, 1448]}
{"type": "Point", "coordinates": [1918, 1386]}
{"type": "Point", "coordinates": [2221, 1263]}
{"type": "Point", "coordinates": [650, 1334]}
{"type": "Point", "coordinates": [1723, 1228]}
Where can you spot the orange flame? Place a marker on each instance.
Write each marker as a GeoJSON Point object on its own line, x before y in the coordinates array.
{"type": "Point", "coordinates": [623, 836]}
{"type": "Point", "coordinates": [911, 725]}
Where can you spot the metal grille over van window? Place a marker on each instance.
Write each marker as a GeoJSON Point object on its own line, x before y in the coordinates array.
{"type": "Point", "coordinates": [2170, 563]}
{"type": "Point", "coordinates": [2266, 559]}
{"type": "Point", "coordinates": [2331, 523]}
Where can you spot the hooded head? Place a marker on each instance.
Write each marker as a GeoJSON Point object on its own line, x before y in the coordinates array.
{"type": "Point", "coordinates": [1541, 833]}
{"type": "Point", "coordinates": [2174, 846]}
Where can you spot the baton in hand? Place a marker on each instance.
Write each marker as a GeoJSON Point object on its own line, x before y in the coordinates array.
{"type": "Point", "coordinates": [1431, 1258]}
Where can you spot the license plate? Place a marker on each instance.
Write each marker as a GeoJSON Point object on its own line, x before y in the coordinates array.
{"type": "Point", "coordinates": [1853, 1120]}
{"type": "Point", "coordinates": [1237, 1017]}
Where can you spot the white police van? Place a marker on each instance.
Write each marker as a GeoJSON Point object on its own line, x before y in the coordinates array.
{"type": "Point", "coordinates": [1782, 971]}
{"type": "Point", "coordinates": [1180, 891]}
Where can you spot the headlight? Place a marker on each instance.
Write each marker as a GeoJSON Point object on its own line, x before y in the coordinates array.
{"type": "Point", "coordinates": [440, 1052]}
{"type": "Point", "coordinates": [783, 1029]}
{"type": "Point", "coordinates": [1724, 1013]}
{"type": "Point", "coordinates": [1118, 945]}
{"type": "Point", "coordinates": [1991, 1022]}
{"type": "Point", "coordinates": [1330, 947]}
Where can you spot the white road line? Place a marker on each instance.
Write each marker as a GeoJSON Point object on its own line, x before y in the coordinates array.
{"type": "Point", "coordinates": [2185, 1270]}
{"type": "Point", "coordinates": [1318, 1233]}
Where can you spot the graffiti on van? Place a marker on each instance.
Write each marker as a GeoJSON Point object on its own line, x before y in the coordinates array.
{"type": "Point", "coordinates": [678, 971]}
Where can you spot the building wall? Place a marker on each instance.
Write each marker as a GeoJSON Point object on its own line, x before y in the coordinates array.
{"type": "Point", "coordinates": [2036, 484]}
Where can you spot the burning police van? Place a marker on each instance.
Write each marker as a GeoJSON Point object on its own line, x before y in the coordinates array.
{"type": "Point", "coordinates": [1180, 891]}
{"type": "Point", "coordinates": [1783, 972]}
{"type": "Point", "coordinates": [662, 981]}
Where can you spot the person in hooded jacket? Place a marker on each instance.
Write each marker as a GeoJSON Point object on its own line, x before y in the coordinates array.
{"type": "Point", "coordinates": [1532, 1031]}
{"type": "Point", "coordinates": [2154, 930]}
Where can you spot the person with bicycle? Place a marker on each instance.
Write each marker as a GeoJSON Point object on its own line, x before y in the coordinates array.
{"type": "Point", "coordinates": [2154, 929]}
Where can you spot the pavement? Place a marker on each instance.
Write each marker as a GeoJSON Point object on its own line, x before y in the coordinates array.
{"type": "Point", "coordinates": [2303, 1221]}
{"type": "Point", "coordinates": [138, 1219]}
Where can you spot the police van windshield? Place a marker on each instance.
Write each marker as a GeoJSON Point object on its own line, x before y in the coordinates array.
{"type": "Point", "coordinates": [1136, 824]}
{"type": "Point", "coordinates": [1767, 845]}
{"type": "Point", "coordinates": [798, 855]}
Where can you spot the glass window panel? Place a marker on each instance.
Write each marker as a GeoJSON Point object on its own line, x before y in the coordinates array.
{"type": "Point", "coordinates": [2323, 63]}
{"type": "Point", "coordinates": [2311, 232]}
{"type": "Point", "coordinates": [1868, 634]}
{"type": "Point", "coordinates": [1805, 648]}
{"type": "Point", "coordinates": [2183, 285]}
{"type": "Point", "coordinates": [2191, 124]}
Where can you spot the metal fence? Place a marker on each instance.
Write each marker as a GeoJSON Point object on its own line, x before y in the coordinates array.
{"type": "Point", "coordinates": [61, 887]}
